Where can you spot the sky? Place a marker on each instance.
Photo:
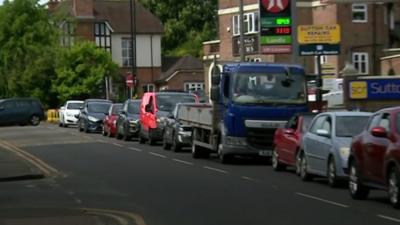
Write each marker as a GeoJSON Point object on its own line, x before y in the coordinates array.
{"type": "Point", "coordinates": [41, 1]}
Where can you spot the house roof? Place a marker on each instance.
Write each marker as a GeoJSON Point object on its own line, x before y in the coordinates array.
{"type": "Point", "coordinates": [171, 65]}
{"type": "Point", "coordinates": [117, 14]}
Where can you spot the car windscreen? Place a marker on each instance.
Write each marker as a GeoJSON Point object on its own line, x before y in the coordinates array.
{"type": "Point", "coordinates": [133, 108]}
{"type": "Point", "coordinates": [349, 126]}
{"type": "Point", "coordinates": [74, 105]}
{"type": "Point", "coordinates": [306, 121]}
{"type": "Point", "coordinates": [167, 102]}
{"type": "Point", "coordinates": [116, 108]}
{"type": "Point", "coordinates": [99, 107]}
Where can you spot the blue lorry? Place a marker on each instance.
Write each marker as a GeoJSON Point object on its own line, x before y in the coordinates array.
{"type": "Point", "coordinates": [249, 101]}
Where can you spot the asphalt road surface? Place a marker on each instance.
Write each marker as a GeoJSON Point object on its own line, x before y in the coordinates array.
{"type": "Point", "coordinates": [152, 186]}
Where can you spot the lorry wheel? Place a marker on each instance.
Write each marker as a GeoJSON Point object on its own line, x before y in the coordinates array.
{"type": "Point", "coordinates": [199, 152]}
{"type": "Point", "coordinates": [225, 158]}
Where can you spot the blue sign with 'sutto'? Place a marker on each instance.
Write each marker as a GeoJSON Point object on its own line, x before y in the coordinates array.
{"type": "Point", "coordinates": [375, 89]}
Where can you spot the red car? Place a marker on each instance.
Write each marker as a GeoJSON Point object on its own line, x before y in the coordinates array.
{"type": "Point", "coordinates": [110, 121]}
{"type": "Point", "coordinates": [375, 157]}
{"type": "Point", "coordinates": [287, 141]}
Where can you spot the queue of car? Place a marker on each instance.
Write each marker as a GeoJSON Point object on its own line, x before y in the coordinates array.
{"type": "Point", "coordinates": [360, 148]}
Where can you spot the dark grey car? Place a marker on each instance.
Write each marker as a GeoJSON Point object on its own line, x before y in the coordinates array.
{"type": "Point", "coordinates": [128, 125]}
{"type": "Point", "coordinates": [91, 117]}
{"type": "Point", "coordinates": [21, 111]}
{"type": "Point", "coordinates": [176, 135]}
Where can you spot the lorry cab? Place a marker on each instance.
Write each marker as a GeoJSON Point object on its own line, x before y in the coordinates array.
{"type": "Point", "coordinates": [154, 108]}
{"type": "Point", "coordinates": [255, 99]}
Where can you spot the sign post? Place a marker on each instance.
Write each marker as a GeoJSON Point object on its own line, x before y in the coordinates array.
{"type": "Point", "coordinates": [276, 26]}
{"type": "Point", "coordinates": [129, 83]}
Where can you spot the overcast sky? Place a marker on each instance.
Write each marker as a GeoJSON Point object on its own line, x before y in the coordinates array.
{"type": "Point", "coordinates": [41, 1]}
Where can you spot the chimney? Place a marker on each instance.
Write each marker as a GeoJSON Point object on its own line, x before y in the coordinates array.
{"type": "Point", "coordinates": [83, 8]}
{"type": "Point", "coordinates": [52, 4]}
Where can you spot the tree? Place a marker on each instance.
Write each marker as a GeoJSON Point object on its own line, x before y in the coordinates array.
{"type": "Point", "coordinates": [187, 24]}
{"type": "Point", "coordinates": [28, 39]}
{"type": "Point", "coordinates": [81, 71]}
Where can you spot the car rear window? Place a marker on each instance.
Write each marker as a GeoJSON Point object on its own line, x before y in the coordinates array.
{"type": "Point", "coordinates": [99, 107]}
{"type": "Point", "coordinates": [167, 102]}
{"type": "Point", "coordinates": [349, 126]}
{"type": "Point", "coordinates": [116, 108]}
{"type": "Point", "coordinates": [133, 107]}
{"type": "Point", "coordinates": [75, 105]}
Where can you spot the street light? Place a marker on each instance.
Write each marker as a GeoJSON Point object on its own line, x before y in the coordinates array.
{"type": "Point", "coordinates": [132, 7]}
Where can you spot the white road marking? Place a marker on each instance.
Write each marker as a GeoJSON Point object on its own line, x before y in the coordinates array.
{"type": "Point", "coordinates": [102, 141]}
{"type": "Point", "coordinates": [215, 169]}
{"type": "Point", "coordinates": [389, 218]}
{"type": "Point", "coordinates": [119, 145]}
{"type": "Point", "coordinates": [135, 149]}
{"type": "Point", "coordinates": [322, 200]}
{"type": "Point", "coordinates": [247, 178]}
{"type": "Point", "coordinates": [158, 155]}
{"type": "Point", "coordinates": [184, 162]}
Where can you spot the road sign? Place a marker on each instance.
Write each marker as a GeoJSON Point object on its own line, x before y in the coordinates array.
{"type": "Point", "coordinates": [319, 49]}
{"type": "Point", "coordinates": [328, 69]}
{"type": "Point", "coordinates": [318, 34]}
{"type": "Point", "coordinates": [129, 80]}
{"type": "Point", "coordinates": [276, 26]}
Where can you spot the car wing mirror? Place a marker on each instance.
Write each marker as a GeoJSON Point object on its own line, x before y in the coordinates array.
{"type": "Point", "coordinates": [379, 132]}
{"type": "Point", "coordinates": [323, 133]}
{"type": "Point", "coordinates": [289, 131]}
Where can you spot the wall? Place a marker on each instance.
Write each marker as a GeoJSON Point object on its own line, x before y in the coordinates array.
{"type": "Point", "coordinates": [390, 63]}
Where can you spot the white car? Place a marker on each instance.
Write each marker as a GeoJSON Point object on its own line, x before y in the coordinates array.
{"type": "Point", "coordinates": [68, 111]}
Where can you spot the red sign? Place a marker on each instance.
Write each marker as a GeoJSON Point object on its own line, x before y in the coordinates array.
{"type": "Point", "coordinates": [276, 49]}
{"type": "Point", "coordinates": [129, 80]}
{"type": "Point", "coordinates": [275, 6]}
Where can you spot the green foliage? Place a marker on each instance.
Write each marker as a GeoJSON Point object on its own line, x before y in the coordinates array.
{"type": "Point", "coordinates": [27, 47]}
{"type": "Point", "coordinates": [80, 71]}
{"type": "Point", "coordinates": [187, 24]}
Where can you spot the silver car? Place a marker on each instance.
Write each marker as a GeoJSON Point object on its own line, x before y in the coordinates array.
{"type": "Point", "coordinates": [326, 144]}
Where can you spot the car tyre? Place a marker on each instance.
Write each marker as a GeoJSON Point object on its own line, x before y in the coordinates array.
{"type": "Point", "coordinates": [103, 131]}
{"type": "Point", "coordinates": [85, 128]}
{"type": "Point", "coordinates": [304, 175]}
{"type": "Point", "coordinates": [80, 127]}
{"type": "Point", "coordinates": [394, 187]}
{"type": "Point", "coordinates": [166, 145]}
{"type": "Point", "coordinates": [142, 140]}
{"type": "Point", "coordinates": [126, 136]}
{"type": "Point", "coordinates": [276, 165]}
{"type": "Point", "coordinates": [175, 145]}
{"type": "Point", "coordinates": [298, 163]}
{"type": "Point", "coordinates": [152, 141]}
{"type": "Point", "coordinates": [356, 188]}
{"type": "Point", "coordinates": [331, 173]}
{"type": "Point", "coordinates": [34, 120]}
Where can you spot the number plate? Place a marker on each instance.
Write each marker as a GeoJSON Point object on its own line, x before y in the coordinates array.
{"type": "Point", "coordinates": [265, 153]}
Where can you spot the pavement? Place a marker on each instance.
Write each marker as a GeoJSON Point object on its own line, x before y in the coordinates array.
{"type": "Point", "coordinates": [130, 183]}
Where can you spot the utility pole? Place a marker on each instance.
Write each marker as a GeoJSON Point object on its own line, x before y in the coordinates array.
{"type": "Point", "coordinates": [241, 28]}
{"type": "Point", "coordinates": [295, 45]}
{"type": "Point", "coordinates": [132, 43]}
{"type": "Point", "coordinates": [132, 6]}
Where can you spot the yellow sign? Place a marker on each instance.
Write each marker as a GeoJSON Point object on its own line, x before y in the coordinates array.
{"type": "Point", "coordinates": [358, 90]}
{"type": "Point", "coordinates": [318, 34]}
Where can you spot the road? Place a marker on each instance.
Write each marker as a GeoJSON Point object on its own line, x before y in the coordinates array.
{"type": "Point", "coordinates": [158, 187]}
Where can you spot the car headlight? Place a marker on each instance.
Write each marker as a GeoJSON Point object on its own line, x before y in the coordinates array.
{"type": "Point", "coordinates": [92, 118]}
{"type": "Point", "coordinates": [344, 152]}
{"type": "Point", "coordinates": [235, 141]}
{"type": "Point", "coordinates": [134, 121]}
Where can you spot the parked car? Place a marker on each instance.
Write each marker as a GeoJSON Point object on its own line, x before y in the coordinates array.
{"type": "Point", "coordinates": [67, 113]}
{"type": "Point", "coordinates": [176, 135]}
{"type": "Point", "coordinates": [91, 117]}
{"type": "Point", "coordinates": [287, 142]}
{"type": "Point", "coordinates": [21, 111]}
{"type": "Point", "coordinates": [155, 107]}
{"type": "Point", "coordinates": [326, 144]}
{"type": "Point", "coordinates": [128, 120]}
{"type": "Point", "coordinates": [375, 157]}
{"type": "Point", "coordinates": [109, 122]}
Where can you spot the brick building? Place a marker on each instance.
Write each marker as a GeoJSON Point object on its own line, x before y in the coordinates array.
{"type": "Point", "coordinates": [364, 34]}
{"type": "Point", "coordinates": [107, 23]}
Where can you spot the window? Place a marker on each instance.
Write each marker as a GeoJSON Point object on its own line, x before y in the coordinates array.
{"type": "Point", "coordinates": [360, 62]}
{"type": "Point", "coordinates": [194, 86]}
{"type": "Point", "coordinates": [374, 122]}
{"type": "Point", "coordinates": [385, 122]}
{"type": "Point", "coordinates": [126, 52]}
{"type": "Point", "coordinates": [317, 124]}
{"type": "Point", "coordinates": [250, 23]}
{"type": "Point", "coordinates": [102, 36]}
{"type": "Point", "coordinates": [67, 34]}
{"type": "Point", "coordinates": [359, 13]}
{"type": "Point", "coordinates": [148, 88]}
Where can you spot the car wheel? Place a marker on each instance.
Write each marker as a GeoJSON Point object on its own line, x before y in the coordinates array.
{"type": "Point", "coordinates": [298, 163]}
{"type": "Point", "coordinates": [34, 120]}
{"type": "Point", "coordinates": [356, 188]}
{"type": "Point", "coordinates": [166, 145]}
{"type": "Point", "coordinates": [85, 128]}
{"type": "Point", "coordinates": [394, 187]}
{"type": "Point", "coordinates": [152, 141]}
{"type": "Point", "coordinates": [175, 145]}
{"type": "Point", "coordinates": [80, 127]}
{"type": "Point", "coordinates": [109, 134]}
{"type": "Point", "coordinates": [332, 178]}
{"type": "Point", "coordinates": [60, 124]}
{"type": "Point", "coordinates": [118, 135]}
{"type": "Point", "coordinates": [275, 162]}
{"type": "Point", "coordinates": [103, 131]}
{"type": "Point", "coordinates": [125, 136]}
{"type": "Point", "coordinates": [142, 140]}
{"type": "Point", "coordinates": [304, 175]}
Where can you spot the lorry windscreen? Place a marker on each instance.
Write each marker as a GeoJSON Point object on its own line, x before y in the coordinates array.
{"type": "Point", "coordinates": [261, 88]}
{"type": "Point", "coordinates": [167, 102]}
